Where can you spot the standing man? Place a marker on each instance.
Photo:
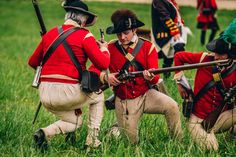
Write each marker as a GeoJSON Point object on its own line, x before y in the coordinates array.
{"type": "Point", "coordinates": [167, 30]}
{"type": "Point", "coordinates": [210, 88]}
{"type": "Point", "coordinates": [206, 18]}
{"type": "Point", "coordinates": [60, 90]}
{"type": "Point", "coordinates": [134, 96]}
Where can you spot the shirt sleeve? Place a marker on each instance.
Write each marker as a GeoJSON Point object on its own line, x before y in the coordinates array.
{"type": "Point", "coordinates": [152, 62]}
{"type": "Point", "coordinates": [93, 68]}
{"type": "Point", "coordinates": [100, 73]}
{"type": "Point", "coordinates": [37, 57]}
{"type": "Point", "coordinates": [165, 16]}
{"type": "Point", "coordinates": [162, 10]}
{"type": "Point", "coordinates": [182, 58]}
{"type": "Point", "coordinates": [99, 57]}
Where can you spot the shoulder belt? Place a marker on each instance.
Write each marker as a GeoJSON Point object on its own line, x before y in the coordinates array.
{"type": "Point", "coordinates": [131, 57]}
{"type": "Point", "coordinates": [59, 39]}
{"type": "Point", "coordinates": [212, 83]}
{"type": "Point", "coordinates": [71, 54]}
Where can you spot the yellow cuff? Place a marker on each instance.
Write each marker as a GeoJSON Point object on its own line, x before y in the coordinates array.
{"type": "Point", "coordinates": [170, 23]}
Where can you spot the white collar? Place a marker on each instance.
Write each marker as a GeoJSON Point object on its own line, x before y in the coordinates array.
{"type": "Point", "coordinates": [71, 22]}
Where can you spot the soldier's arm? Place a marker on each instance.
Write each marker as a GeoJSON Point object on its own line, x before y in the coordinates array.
{"type": "Point", "coordinates": [36, 58]}
{"type": "Point", "coordinates": [165, 17]}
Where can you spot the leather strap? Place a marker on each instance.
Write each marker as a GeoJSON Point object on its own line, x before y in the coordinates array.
{"type": "Point", "coordinates": [71, 54]}
{"type": "Point", "coordinates": [212, 83]}
{"type": "Point", "coordinates": [60, 38]}
{"type": "Point", "coordinates": [133, 62]}
{"type": "Point", "coordinates": [218, 80]}
{"type": "Point", "coordinates": [134, 54]}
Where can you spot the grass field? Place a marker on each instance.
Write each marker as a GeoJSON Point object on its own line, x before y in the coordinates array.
{"type": "Point", "coordinates": [19, 35]}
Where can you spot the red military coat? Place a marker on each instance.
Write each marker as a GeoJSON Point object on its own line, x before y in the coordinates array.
{"type": "Point", "coordinates": [206, 16]}
{"type": "Point", "coordinates": [212, 98]}
{"type": "Point", "coordinates": [148, 58]}
{"type": "Point", "coordinates": [83, 45]}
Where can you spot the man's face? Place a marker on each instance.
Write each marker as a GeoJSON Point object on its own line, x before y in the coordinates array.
{"type": "Point", "coordinates": [126, 36]}
{"type": "Point", "coordinates": [221, 56]}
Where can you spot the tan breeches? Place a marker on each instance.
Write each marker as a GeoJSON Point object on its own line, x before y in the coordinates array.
{"type": "Point", "coordinates": [129, 112]}
{"type": "Point", "coordinates": [206, 140]}
{"type": "Point", "coordinates": [62, 100]}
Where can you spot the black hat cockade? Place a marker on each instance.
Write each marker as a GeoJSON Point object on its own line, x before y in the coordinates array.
{"type": "Point", "coordinates": [79, 6]}
{"type": "Point", "coordinates": [226, 43]}
{"type": "Point", "coordinates": [123, 20]}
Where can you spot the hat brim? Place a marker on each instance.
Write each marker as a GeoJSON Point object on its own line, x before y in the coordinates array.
{"type": "Point", "coordinates": [92, 18]}
{"type": "Point", "coordinates": [211, 46]}
{"type": "Point", "coordinates": [113, 30]}
{"type": "Point", "coordinates": [219, 46]}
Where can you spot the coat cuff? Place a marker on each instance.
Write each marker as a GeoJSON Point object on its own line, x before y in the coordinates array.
{"type": "Point", "coordinates": [172, 27]}
{"type": "Point", "coordinates": [104, 49]}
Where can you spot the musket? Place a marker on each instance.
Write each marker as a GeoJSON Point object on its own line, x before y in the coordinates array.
{"type": "Point", "coordinates": [37, 112]}
{"type": "Point", "coordinates": [40, 18]}
{"type": "Point", "coordinates": [102, 35]}
{"type": "Point", "coordinates": [211, 119]}
{"type": "Point", "coordinates": [124, 75]}
{"type": "Point", "coordinates": [184, 67]}
{"type": "Point", "coordinates": [42, 32]}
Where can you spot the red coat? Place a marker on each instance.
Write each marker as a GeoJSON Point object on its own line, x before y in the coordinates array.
{"type": "Point", "coordinates": [138, 86]}
{"type": "Point", "coordinates": [212, 98]}
{"type": "Point", "coordinates": [83, 45]}
{"type": "Point", "coordinates": [205, 18]}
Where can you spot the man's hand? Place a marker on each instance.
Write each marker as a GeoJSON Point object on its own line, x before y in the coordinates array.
{"type": "Point", "coordinates": [176, 37]}
{"type": "Point", "coordinates": [147, 75]}
{"type": "Point", "coordinates": [112, 80]}
{"type": "Point", "coordinates": [102, 43]}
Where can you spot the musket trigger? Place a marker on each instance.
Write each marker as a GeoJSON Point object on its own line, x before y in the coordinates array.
{"type": "Point", "coordinates": [126, 74]}
{"type": "Point", "coordinates": [123, 74]}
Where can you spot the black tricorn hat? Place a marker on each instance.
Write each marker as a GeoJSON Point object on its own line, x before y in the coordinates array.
{"type": "Point", "coordinates": [221, 47]}
{"type": "Point", "coordinates": [123, 20]}
{"type": "Point", "coordinates": [226, 43]}
{"type": "Point", "coordinates": [79, 6]}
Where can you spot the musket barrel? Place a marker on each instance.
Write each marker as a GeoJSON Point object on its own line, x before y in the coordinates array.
{"type": "Point", "coordinates": [40, 18]}
{"type": "Point", "coordinates": [183, 67]}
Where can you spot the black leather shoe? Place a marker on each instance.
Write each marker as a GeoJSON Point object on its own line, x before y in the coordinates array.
{"type": "Point", "coordinates": [40, 140]}
{"type": "Point", "coordinates": [71, 138]}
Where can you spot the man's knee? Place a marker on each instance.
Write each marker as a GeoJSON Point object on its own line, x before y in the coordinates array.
{"type": "Point", "coordinates": [225, 121]}
{"type": "Point", "coordinates": [203, 139]}
{"type": "Point", "coordinates": [172, 108]}
{"type": "Point", "coordinates": [97, 98]}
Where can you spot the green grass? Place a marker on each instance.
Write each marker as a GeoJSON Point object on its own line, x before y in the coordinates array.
{"type": "Point", "coordinates": [19, 35]}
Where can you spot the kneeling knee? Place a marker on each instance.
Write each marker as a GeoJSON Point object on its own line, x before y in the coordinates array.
{"type": "Point", "coordinates": [173, 107]}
